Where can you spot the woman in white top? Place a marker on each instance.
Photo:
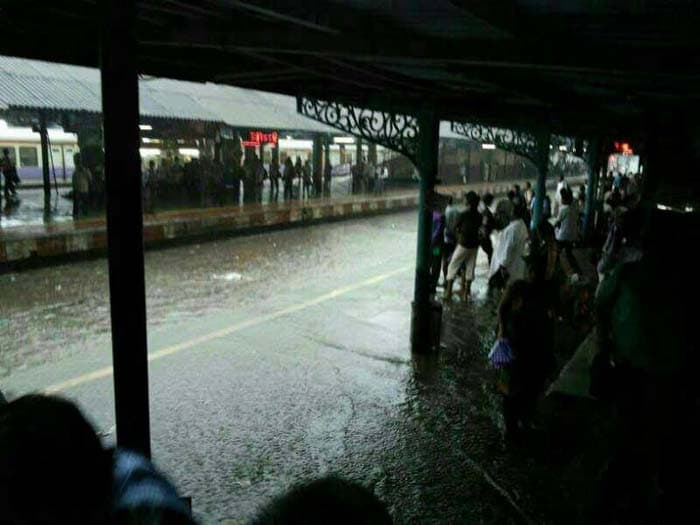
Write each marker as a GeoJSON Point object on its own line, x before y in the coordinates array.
{"type": "Point", "coordinates": [567, 228]}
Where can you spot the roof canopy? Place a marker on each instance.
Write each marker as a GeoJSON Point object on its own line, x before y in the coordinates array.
{"type": "Point", "coordinates": [574, 65]}
{"type": "Point", "coordinates": [32, 84]}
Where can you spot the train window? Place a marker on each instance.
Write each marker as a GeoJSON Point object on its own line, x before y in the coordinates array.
{"type": "Point", "coordinates": [28, 156]}
{"type": "Point", "coordinates": [10, 147]}
{"type": "Point", "coordinates": [69, 152]}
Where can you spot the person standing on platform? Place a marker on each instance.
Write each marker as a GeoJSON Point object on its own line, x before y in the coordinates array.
{"type": "Point", "coordinates": [467, 232]}
{"type": "Point", "coordinates": [307, 180]}
{"type": "Point", "coordinates": [452, 212]}
{"type": "Point", "coordinates": [383, 176]}
{"type": "Point", "coordinates": [327, 176]}
{"type": "Point", "coordinates": [567, 229]}
{"type": "Point", "coordinates": [260, 176]}
{"type": "Point", "coordinates": [288, 178]}
{"type": "Point", "coordinates": [274, 180]}
{"type": "Point", "coordinates": [507, 264]}
{"type": "Point", "coordinates": [9, 172]}
{"type": "Point", "coordinates": [299, 173]}
{"type": "Point", "coordinates": [488, 224]}
{"type": "Point", "coordinates": [81, 187]}
{"type": "Point", "coordinates": [529, 194]}
{"type": "Point", "coordinates": [557, 196]}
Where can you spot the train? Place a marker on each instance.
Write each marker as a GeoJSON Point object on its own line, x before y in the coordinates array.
{"type": "Point", "coordinates": [24, 146]}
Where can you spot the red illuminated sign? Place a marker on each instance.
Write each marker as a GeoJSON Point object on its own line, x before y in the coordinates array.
{"type": "Point", "coordinates": [260, 137]}
{"type": "Point", "coordinates": [624, 148]}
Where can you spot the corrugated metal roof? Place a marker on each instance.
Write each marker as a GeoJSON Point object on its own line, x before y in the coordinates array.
{"type": "Point", "coordinates": [34, 84]}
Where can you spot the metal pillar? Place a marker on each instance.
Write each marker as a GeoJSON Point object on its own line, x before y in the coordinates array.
{"type": "Point", "coordinates": [372, 153]}
{"type": "Point", "coordinates": [358, 150]}
{"type": "Point", "coordinates": [120, 108]}
{"type": "Point", "coordinates": [543, 140]}
{"type": "Point", "coordinates": [44, 136]}
{"type": "Point", "coordinates": [593, 162]}
{"type": "Point", "coordinates": [423, 329]}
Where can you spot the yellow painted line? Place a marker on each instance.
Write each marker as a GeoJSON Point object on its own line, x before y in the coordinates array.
{"type": "Point", "coordinates": [218, 334]}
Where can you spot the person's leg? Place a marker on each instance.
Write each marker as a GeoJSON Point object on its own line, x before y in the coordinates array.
{"type": "Point", "coordinates": [452, 269]}
{"type": "Point", "coordinates": [487, 246]}
{"type": "Point", "coordinates": [468, 274]}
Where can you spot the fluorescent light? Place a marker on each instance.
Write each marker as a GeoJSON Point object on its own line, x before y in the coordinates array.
{"type": "Point", "coordinates": [689, 209]}
{"type": "Point", "coordinates": [146, 140]}
{"type": "Point", "coordinates": [189, 152]}
{"type": "Point", "coordinates": [149, 152]}
{"type": "Point", "coordinates": [488, 146]}
{"type": "Point", "coordinates": [562, 148]}
{"type": "Point", "coordinates": [145, 127]}
{"type": "Point", "coordinates": [663, 207]}
{"type": "Point", "coordinates": [296, 144]}
{"type": "Point", "coordinates": [344, 140]}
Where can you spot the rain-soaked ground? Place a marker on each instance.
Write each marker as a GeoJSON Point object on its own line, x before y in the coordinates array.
{"type": "Point", "coordinates": [284, 356]}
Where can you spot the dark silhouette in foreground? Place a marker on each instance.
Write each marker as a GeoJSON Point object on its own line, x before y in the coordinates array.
{"type": "Point", "coordinates": [325, 501]}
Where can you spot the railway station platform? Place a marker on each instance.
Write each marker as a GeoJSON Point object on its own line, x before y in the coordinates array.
{"type": "Point", "coordinates": [33, 240]}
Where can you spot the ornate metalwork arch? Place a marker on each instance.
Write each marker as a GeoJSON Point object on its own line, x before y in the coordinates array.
{"type": "Point", "coordinates": [519, 142]}
{"type": "Point", "coordinates": [395, 131]}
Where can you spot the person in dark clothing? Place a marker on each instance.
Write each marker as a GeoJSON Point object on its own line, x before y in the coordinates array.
{"type": "Point", "coordinates": [299, 172]}
{"type": "Point", "coordinates": [307, 188]}
{"type": "Point", "coordinates": [327, 176]}
{"type": "Point", "coordinates": [9, 172]}
{"type": "Point", "coordinates": [467, 231]}
{"type": "Point", "coordinates": [274, 180]}
{"type": "Point", "coordinates": [488, 224]}
{"type": "Point", "coordinates": [524, 322]}
{"type": "Point", "coordinates": [53, 469]}
{"type": "Point", "coordinates": [324, 501]}
{"type": "Point", "coordinates": [289, 175]}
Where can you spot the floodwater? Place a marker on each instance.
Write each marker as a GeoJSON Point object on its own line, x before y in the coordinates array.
{"type": "Point", "coordinates": [284, 356]}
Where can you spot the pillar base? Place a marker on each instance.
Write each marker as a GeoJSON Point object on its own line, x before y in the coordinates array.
{"type": "Point", "coordinates": [426, 323]}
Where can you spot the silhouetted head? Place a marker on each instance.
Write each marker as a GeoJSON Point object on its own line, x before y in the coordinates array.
{"type": "Point", "coordinates": [53, 468]}
{"type": "Point", "coordinates": [330, 500]}
{"type": "Point", "coordinates": [528, 186]}
{"type": "Point", "coordinates": [6, 152]}
{"type": "Point", "coordinates": [77, 160]}
{"type": "Point", "coordinates": [472, 199]}
{"type": "Point", "coordinates": [566, 196]}
{"type": "Point", "coordinates": [488, 199]}
{"type": "Point", "coordinates": [561, 178]}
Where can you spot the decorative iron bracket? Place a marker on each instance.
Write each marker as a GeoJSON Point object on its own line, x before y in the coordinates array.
{"type": "Point", "coordinates": [396, 131]}
{"type": "Point", "coordinates": [521, 143]}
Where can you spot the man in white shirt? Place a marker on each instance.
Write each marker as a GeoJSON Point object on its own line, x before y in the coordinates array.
{"type": "Point", "coordinates": [566, 229]}
{"type": "Point", "coordinates": [557, 196]}
{"type": "Point", "coordinates": [508, 256]}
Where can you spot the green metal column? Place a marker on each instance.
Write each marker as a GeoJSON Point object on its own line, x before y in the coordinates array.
{"type": "Point", "coordinates": [543, 139]}
{"type": "Point", "coordinates": [422, 327]}
{"type": "Point", "coordinates": [593, 161]}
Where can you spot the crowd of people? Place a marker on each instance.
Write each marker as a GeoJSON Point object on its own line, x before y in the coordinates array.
{"type": "Point", "coordinates": [535, 269]}
{"type": "Point", "coordinates": [55, 470]}
{"type": "Point", "coordinates": [368, 177]}
{"type": "Point", "coordinates": [640, 312]}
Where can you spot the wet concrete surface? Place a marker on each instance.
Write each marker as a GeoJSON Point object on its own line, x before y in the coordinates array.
{"type": "Point", "coordinates": [284, 356]}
